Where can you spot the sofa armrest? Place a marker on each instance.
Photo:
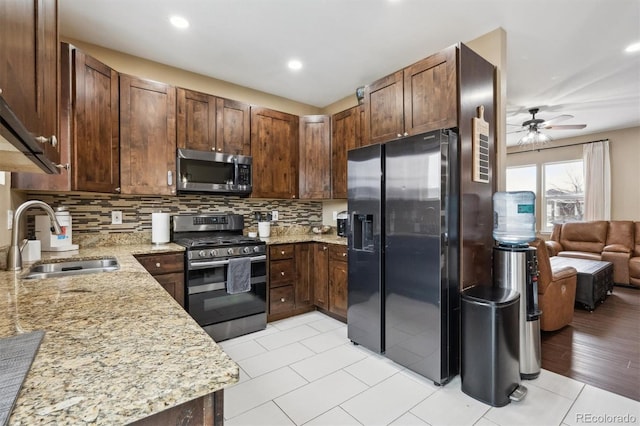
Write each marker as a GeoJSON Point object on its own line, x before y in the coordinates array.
{"type": "Point", "coordinates": [617, 248]}
{"type": "Point", "coordinates": [553, 247]}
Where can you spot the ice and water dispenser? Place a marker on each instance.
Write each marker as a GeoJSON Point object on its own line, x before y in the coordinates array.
{"type": "Point", "coordinates": [363, 232]}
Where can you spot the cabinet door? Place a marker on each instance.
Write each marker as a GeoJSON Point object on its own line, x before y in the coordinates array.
{"type": "Point", "coordinates": [196, 120]}
{"type": "Point", "coordinates": [345, 128]}
{"type": "Point", "coordinates": [338, 287]}
{"type": "Point", "coordinates": [304, 274]}
{"type": "Point", "coordinates": [147, 137]}
{"type": "Point", "coordinates": [274, 148]}
{"type": "Point", "coordinates": [95, 132]}
{"type": "Point", "coordinates": [321, 275]}
{"type": "Point", "coordinates": [383, 105]}
{"type": "Point", "coordinates": [29, 66]}
{"type": "Point", "coordinates": [233, 134]}
{"type": "Point", "coordinates": [174, 284]}
{"type": "Point", "coordinates": [315, 157]}
{"type": "Point", "coordinates": [430, 100]}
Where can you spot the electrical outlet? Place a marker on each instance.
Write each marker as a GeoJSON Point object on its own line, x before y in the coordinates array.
{"type": "Point", "coordinates": [335, 215]}
{"type": "Point", "coordinates": [274, 215]}
{"type": "Point", "coordinates": [116, 217]}
{"type": "Point", "coordinates": [9, 219]}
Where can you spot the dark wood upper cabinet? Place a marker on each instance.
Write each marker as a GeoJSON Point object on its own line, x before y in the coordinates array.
{"type": "Point", "coordinates": [346, 135]}
{"type": "Point", "coordinates": [95, 130]}
{"type": "Point", "coordinates": [383, 106]}
{"type": "Point", "coordinates": [315, 157]}
{"type": "Point", "coordinates": [233, 134]}
{"type": "Point", "coordinates": [29, 66]}
{"type": "Point", "coordinates": [196, 120]}
{"type": "Point", "coordinates": [89, 128]}
{"type": "Point", "coordinates": [208, 123]}
{"type": "Point", "coordinates": [274, 148]}
{"type": "Point", "coordinates": [416, 99]}
{"type": "Point", "coordinates": [147, 137]}
{"type": "Point", "coordinates": [430, 100]}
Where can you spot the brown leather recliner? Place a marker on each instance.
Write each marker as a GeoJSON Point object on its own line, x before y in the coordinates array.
{"type": "Point", "coordinates": [556, 290]}
{"type": "Point", "coordinates": [634, 262]}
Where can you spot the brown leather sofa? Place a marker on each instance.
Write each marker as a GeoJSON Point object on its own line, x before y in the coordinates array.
{"type": "Point", "coordinates": [556, 290]}
{"type": "Point", "coordinates": [616, 241]}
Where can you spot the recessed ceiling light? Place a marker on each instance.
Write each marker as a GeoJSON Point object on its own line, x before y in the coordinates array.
{"type": "Point", "coordinates": [294, 64]}
{"type": "Point", "coordinates": [633, 48]}
{"type": "Point", "coordinates": [179, 21]}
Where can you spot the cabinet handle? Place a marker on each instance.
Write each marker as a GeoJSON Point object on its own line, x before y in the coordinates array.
{"type": "Point", "coordinates": [282, 273]}
{"type": "Point", "coordinates": [52, 140]}
{"type": "Point", "coordinates": [344, 254]}
{"type": "Point", "coordinates": [117, 190]}
{"type": "Point", "coordinates": [213, 148]}
{"type": "Point", "coordinates": [293, 196]}
{"type": "Point", "coordinates": [157, 264]}
{"type": "Point", "coordinates": [169, 178]}
{"type": "Point", "coordinates": [282, 299]}
{"type": "Point", "coordinates": [65, 166]}
{"type": "Point", "coordinates": [219, 149]}
{"type": "Point", "coordinates": [405, 134]}
{"type": "Point", "coordinates": [282, 252]}
{"type": "Point", "coordinates": [324, 247]}
{"type": "Point", "coordinates": [399, 135]}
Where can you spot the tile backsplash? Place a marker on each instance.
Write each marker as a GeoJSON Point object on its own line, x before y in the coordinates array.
{"type": "Point", "coordinates": [92, 212]}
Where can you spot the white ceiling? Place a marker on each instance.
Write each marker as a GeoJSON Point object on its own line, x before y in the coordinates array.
{"type": "Point", "coordinates": [564, 56]}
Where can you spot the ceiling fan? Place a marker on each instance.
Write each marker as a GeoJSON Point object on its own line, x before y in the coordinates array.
{"type": "Point", "coordinates": [533, 126]}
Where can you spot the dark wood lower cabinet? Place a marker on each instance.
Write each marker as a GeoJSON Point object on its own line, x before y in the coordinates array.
{"type": "Point", "coordinates": [204, 411]}
{"type": "Point", "coordinates": [338, 302]}
{"type": "Point", "coordinates": [168, 270]}
{"type": "Point", "coordinates": [321, 275]}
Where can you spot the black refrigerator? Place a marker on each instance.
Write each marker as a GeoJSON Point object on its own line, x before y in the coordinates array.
{"type": "Point", "coordinates": [403, 249]}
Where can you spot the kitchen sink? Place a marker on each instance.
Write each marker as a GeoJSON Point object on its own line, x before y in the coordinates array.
{"type": "Point", "coordinates": [74, 267]}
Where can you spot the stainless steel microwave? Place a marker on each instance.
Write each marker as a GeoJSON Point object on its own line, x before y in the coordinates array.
{"type": "Point", "coordinates": [213, 172]}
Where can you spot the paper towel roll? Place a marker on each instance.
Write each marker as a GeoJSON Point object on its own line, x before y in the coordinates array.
{"type": "Point", "coordinates": [159, 228]}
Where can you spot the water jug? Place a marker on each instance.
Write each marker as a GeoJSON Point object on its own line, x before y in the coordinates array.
{"type": "Point", "coordinates": [514, 219]}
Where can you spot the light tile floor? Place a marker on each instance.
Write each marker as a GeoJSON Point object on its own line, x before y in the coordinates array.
{"type": "Point", "coordinates": [304, 371]}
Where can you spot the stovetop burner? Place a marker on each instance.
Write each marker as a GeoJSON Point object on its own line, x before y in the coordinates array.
{"type": "Point", "coordinates": [214, 236]}
{"type": "Point", "coordinates": [213, 241]}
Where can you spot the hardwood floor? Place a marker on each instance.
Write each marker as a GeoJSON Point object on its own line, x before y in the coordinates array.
{"type": "Point", "coordinates": [600, 348]}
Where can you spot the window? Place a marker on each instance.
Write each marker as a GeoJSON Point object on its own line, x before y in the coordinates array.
{"type": "Point", "coordinates": [563, 193]}
{"type": "Point", "coordinates": [522, 178]}
{"type": "Point", "coordinates": [562, 189]}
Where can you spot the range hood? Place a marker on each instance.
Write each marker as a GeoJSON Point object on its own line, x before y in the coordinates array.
{"type": "Point", "coordinates": [19, 151]}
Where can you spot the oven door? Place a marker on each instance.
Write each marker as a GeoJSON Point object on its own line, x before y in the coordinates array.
{"type": "Point", "coordinates": [208, 301]}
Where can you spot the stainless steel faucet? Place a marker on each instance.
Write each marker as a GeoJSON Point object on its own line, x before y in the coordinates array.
{"type": "Point", "coordinates": [14, 258]}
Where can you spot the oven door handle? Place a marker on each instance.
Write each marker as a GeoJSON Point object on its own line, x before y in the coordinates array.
{"type": "Point", "coordinates": [221, 285]}
{"type": "Point", "coordinates": [215, 263]}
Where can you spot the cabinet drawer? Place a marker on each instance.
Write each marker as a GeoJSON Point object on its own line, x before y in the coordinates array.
{"type": "Point", "coordinates": [281, 272]}
{"type": "Point", "coordinates": [338, 252]}
{"type": "Point", "coordinates": [281, 251]}
{"type": "Point", "coordinates": [281, 299]}
{"type": "Point", "coordinates": [162, 263]}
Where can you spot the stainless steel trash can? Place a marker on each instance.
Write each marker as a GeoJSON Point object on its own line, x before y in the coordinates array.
{"type": "Point", "coordinates": [490, 369]}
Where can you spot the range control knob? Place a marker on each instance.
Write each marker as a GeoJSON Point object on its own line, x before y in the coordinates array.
{"type": "Point", "coordinates": [246, 250]}
{"type": "Point", "coordinates": [202, 253]}
{"type": "Point", "coordinates": [230, 251]}
{"type": "Point", "coordinates": [214, 253]}
{"type": "Point", "coordinates": [256, 249]}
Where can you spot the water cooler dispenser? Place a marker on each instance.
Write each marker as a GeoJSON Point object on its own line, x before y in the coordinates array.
{"type": "Point", "coordinates": [515, 267]}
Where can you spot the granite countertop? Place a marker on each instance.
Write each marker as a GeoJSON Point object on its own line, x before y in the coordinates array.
{"type": "Point", "coordinates": [117, 346]}
{"type": "Point", "coordinates": [306, 238]}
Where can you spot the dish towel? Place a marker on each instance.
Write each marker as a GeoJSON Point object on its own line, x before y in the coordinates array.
{"type": "Point", "coordinates": [239, 275]}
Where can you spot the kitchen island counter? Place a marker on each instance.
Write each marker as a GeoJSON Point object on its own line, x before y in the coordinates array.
{"type": "Point", "coordinates": [117, 347]}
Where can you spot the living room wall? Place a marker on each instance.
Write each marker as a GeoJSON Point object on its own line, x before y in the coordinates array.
{"type": "Point", "coordinates": [625, 157]}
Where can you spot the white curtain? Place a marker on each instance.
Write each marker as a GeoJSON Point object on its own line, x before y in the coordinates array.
{"type": "Point", "coordinates": [597, 181]}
